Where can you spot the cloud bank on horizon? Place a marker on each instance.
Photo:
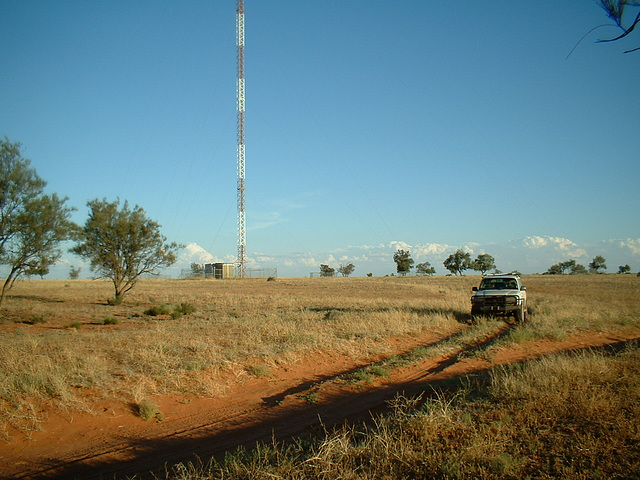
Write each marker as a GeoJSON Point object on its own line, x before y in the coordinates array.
{"type": "Point", "coordinates": [531, 254]}
{"type": "Point", "coordinates": [528, 255]}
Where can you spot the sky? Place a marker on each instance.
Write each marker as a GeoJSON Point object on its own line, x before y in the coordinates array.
{"type": "Point", "coordinates": [371, 126]}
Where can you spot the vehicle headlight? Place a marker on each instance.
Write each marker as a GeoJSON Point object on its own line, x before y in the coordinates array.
{"type": "Point", "coordinates": [476, 299]}
{"type": "Point", "coordinates": [511, 300]}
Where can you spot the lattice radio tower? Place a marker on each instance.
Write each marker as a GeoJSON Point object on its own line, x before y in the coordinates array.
{"type": "Point", "coordinates": [242, 226]}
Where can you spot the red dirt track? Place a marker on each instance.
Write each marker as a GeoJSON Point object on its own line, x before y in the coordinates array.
{"type": "Point", "coordinates": [114, 442]}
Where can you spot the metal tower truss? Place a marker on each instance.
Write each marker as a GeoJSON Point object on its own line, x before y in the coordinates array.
{"type": "Point", "coordinates": [242, 225]}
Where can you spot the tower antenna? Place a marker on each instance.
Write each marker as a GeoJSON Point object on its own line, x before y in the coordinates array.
{"type": "Point", "coordinates": [242, 226]}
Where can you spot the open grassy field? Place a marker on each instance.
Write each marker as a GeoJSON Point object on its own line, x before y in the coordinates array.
{"type": "Point", "coordinates": [62, 346]}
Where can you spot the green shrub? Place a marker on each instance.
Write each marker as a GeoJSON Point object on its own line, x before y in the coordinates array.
{"type": "Point", "coordinates": [311, 398]}
{"type": "Point", "coordinates": [182, 309]}
{"type": "Point", "coordinates": [114, 301]}
{"type": "Point", "coordinates": [110, 321]}
{"type": "Point", "coordinates": [259, 371]}
{"type": "Point", "coordinates": [157, 310]}
{"type": "Point", "coordinates": [148, 410]}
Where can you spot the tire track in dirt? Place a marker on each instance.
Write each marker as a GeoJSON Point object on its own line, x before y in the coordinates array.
{"type": "Point", "coordinates": [282, 413]}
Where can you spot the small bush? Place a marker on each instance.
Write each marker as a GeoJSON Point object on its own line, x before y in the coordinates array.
{"type": "Point", "coordinates": [114, 301]}
{"type": "Point", "coordinates": [148, 410]}
{"type": "Point", "coordinates": [110, 321]}
{"type": "Point", "coordinates": [76, 325]}
{"type": "Point", "coordinates": [311, 398]}
{"type": "Point", "coordinates": [379, 371]}
{"type": "Point", "coordinates": [157, 310]}
{"type": "Point", "coordinates": [259, 371]}
{"type": "Point", "coordinates": [36, 319]}
{"type": "Point", "coordinates": [182, 309]}
{"type": "Point", "coordinates": [361, 375]}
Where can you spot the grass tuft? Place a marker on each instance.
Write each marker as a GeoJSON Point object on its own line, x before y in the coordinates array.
{"type": "Point", "coordinates": [182, 309]}
{"type": "Point", "coordinates": [258, 371]}
{"type": "Point", "coordinates": [36, 319]}
{"type": "Point", "coordinates": [158, 310]}
{"type": "Point", "coordinates": [147, 410]}
{"type": "Point", "coordinates": [110, 321]}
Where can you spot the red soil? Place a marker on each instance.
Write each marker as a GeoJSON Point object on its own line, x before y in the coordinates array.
{"type": "Point", "coordinates": [114, 442]}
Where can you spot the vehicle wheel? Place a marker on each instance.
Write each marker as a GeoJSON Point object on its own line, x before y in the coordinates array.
{"type": "Point", "coordinates": [521, 314]}
{"type": "Point", "coordinates": [474, 315]}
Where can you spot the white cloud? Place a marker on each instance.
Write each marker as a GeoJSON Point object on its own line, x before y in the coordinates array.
{"type": "Point", "coordinates": [396, 245]}
{"type": "Point", "coordinates": [534, 242]}
{"type": "Point", "coordinates": [631, 244]}
{"type": "Point", "coordinates": [309, 262]}
{"type": "Point", "coordinates": [431, 249]}
{"type": "Point", "coordinates": [558, 244]}
{"type": "Point", "coordinates": [194, 253]}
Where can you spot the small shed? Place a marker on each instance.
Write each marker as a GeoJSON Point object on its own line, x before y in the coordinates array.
{"type": "Point", "coordinates": [218, 270]}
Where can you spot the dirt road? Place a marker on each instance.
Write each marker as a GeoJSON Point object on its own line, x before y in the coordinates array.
{"type": "Point", "coordinates": [113, 442]}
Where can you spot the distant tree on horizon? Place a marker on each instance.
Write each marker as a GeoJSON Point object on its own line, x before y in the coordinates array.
{"type": "Point", "coordinates": [425, 268]}
{"type": "Point", "coordinates": [346, 270]}
{"type": "Point", "coordinates": [457, 262]}
{"type": "Point", "coordinates": [578, 269]}
{"type": "Point", "coordinates": [74, 273]}
{"type": "Point", "coordinates": [483, 263]}
{"type": "Point", "coordinates": [326, 270]}
{"type": "Point", "coordinates": [567, 266]}
{"type": "Point", "coordinates": [197, 269]}
{"type": "Point", "coordinates": [624, 269]}
{"type": "Point", "coordinates": [403, 260]}
{"type": "Point", "coordinates": [598, 263]}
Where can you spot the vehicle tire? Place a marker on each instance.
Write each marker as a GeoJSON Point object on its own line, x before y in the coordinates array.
{"type": "Point", "coordinates": [521, 314]}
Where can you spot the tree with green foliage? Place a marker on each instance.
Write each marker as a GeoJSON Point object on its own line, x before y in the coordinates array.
{"type": "Point", "coordinates": [121, 244]}
{"type": "Point", "coordinates": [197, 269]}
{"type": "Point", "coordinates": [555, 269]}
{"type": "Point", "coordinates": [567, 266]}
{"type": "Point", "coordinates": [624, 269]}
{"type": "Point", "coordinates": [425, 268]}
{"type": "Point", "coordinates": [403, 260]}
{"type": "Point", "coordinates": [483, 263]}
{"type": "Point", "coordinates": [32, 224]}
{"type": "Point", "coordinates": [578, 269]}
{"type": "Point", "coordinates": [458, 262]}
{"type": "Point", "coordinates": [346, 270]}
{"type": "Point", "coordinates": [326, 270]}
{"type": "Point", "coordinates": [74, 273]}
{"type": "Point", "coordinates": [598, 263]}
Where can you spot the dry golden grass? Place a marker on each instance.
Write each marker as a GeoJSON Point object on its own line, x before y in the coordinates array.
{"type": "Point", "coordinates": [56, 341]}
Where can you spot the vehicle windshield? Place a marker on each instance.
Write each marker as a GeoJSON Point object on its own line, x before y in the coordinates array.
{"type": "Point", "coordinates": [498, 284]}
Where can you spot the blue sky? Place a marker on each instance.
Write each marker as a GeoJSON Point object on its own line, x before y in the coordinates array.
{"type": "Point", "coordinates": [371, 126]}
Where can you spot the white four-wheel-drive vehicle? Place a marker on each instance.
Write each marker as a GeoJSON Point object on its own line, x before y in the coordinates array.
{"type": "Point", "coordinates": [500, 295]}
